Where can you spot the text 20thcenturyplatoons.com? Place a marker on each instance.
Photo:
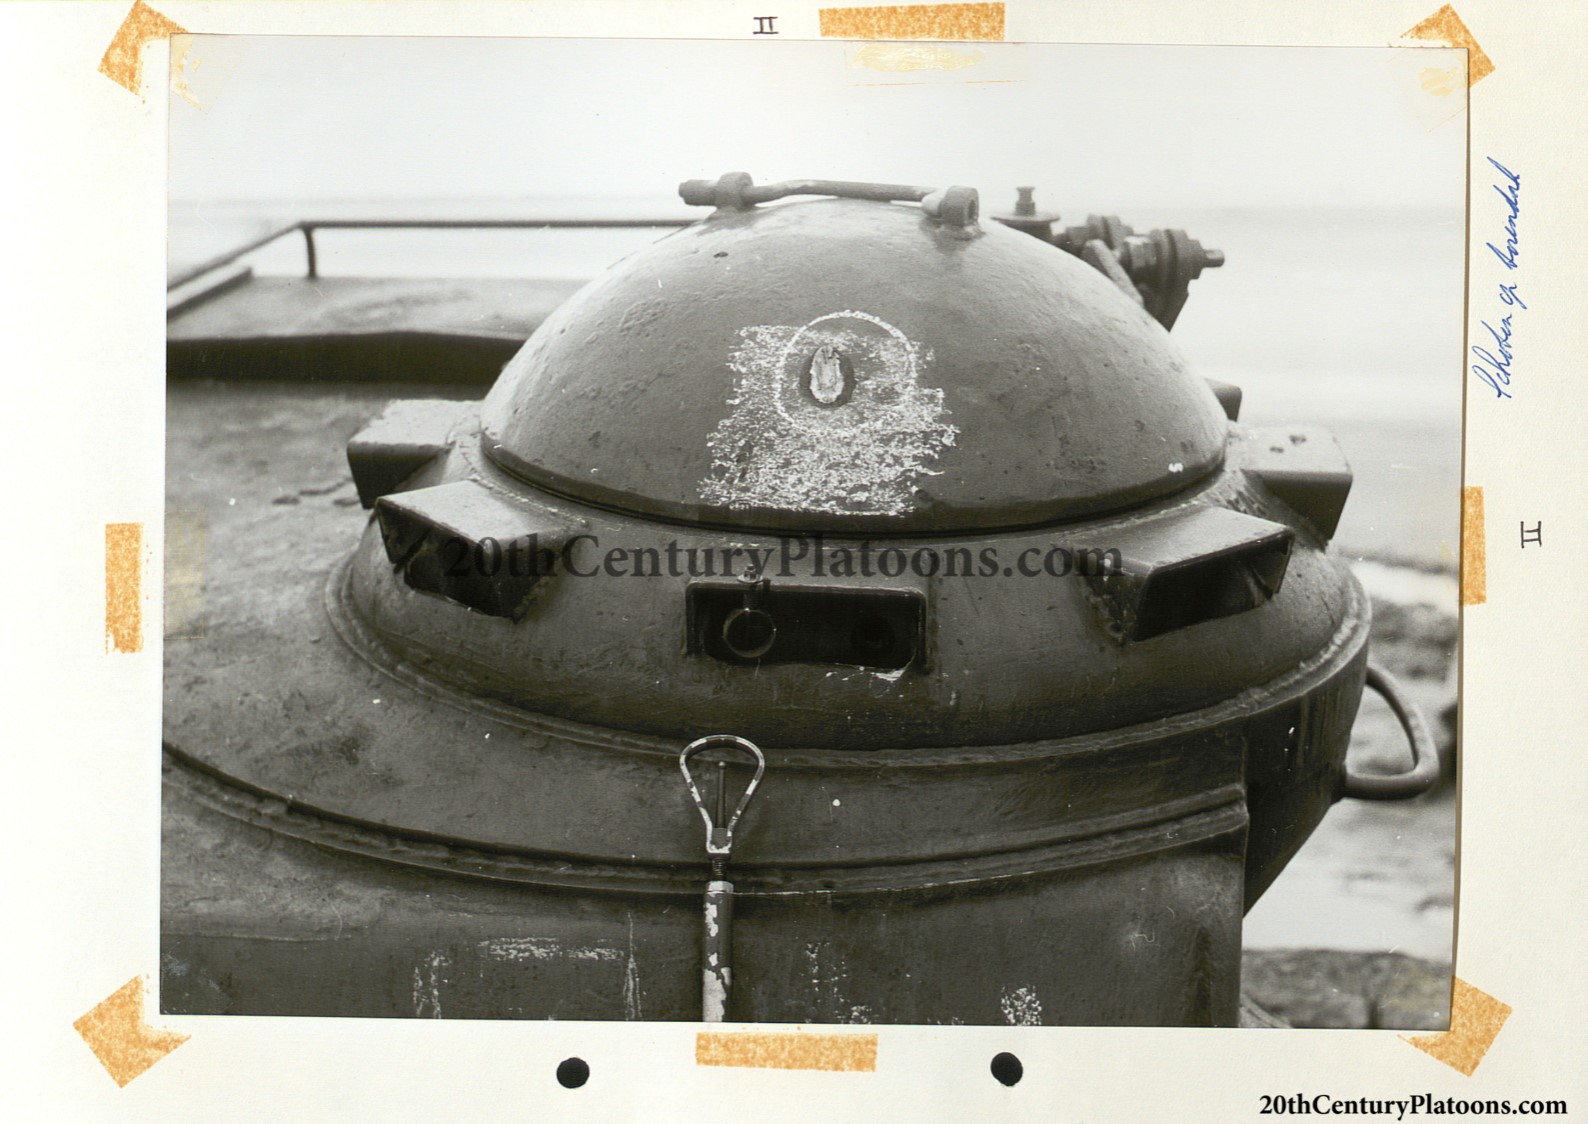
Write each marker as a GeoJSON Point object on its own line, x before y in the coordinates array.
{"type": "Point", "coordinates": [1419, 1104]}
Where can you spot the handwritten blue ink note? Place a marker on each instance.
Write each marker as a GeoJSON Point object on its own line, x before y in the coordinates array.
{"type": "Point", "coordinates": [1494, 355]}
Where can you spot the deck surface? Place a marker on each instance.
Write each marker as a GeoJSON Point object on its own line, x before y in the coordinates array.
{"type": "Point", "coordinates": [297, 307]}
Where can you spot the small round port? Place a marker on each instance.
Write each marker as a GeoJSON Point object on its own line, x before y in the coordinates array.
{"type": "Point", "coordinates": [749, 633]}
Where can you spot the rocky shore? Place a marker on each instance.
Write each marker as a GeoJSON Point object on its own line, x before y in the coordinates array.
{"type": "Point", "coordinates": [1333, 989]}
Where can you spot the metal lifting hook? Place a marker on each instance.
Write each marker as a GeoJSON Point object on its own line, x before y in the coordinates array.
{"type": "Point", "coordinates": [716, 969]}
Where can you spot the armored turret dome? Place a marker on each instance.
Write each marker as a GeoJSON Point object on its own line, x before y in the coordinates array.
{"type": "Point", "coordinates": [852, 365]}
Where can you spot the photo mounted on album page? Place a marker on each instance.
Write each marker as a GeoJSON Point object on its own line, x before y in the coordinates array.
{"type": "Point", "coordinates": [625, 562]}
{"type": "Point", "coordinates": [870, 561]}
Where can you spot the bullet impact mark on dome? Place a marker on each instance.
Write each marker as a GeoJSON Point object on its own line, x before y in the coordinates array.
{"type": "Point", "coordinates": [828, 416]}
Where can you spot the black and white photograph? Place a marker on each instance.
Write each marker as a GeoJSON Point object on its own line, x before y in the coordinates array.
{"type": "Point", "coordinates": [807, 532]}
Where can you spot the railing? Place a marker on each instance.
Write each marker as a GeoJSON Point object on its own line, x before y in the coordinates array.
{"type": "Point", "coordinates": [307, 228]}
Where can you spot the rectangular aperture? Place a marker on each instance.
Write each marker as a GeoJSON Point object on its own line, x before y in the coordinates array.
{"type": "Point", "coordinates": [1192, 566]}
{"type": "Point", "coordinates": [741, 624]}
{"type": "Point", "coordinates": [470, 545]}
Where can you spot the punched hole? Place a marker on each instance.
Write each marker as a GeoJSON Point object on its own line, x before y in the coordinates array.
{"type": "Point", "coordinates": [573, 1072]}
{"type": "Point", "coordinates": [1007, 1068]}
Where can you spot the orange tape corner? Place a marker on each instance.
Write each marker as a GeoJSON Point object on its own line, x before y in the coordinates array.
{"type": "Point", "coordinates": [1446, 27]}
{"type": "Point", "coordinates": [123, 1042]}
{"type": "Point", "coordinates": [123, 59]}
{"type": "Point", "coordinates": [1475, 1021]}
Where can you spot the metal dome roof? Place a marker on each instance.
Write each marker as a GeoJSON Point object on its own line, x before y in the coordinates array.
{"type": "Point", "coordinates": [853, 366]}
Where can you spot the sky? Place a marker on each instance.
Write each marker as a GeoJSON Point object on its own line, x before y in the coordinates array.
{"type": "Point", "coordinates": [1106, 128]}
